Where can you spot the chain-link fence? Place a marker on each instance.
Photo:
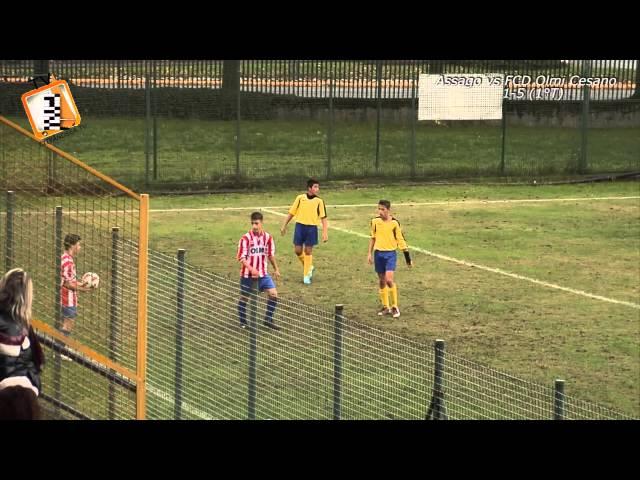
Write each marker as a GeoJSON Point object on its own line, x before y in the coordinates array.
{"type": "Point", "coordinates": [207, 124]}
{"type": "Point", "coordinates": [46, 194]}
{"type": "Point", "coordinates": [320, 365]}
{"type": "Point", "coordinates": [200, 363]}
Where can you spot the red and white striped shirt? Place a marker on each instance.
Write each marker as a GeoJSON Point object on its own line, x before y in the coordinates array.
{"type": "Point", "coordinates": [256, 249]}
{"type": "Point", "coordinates": [68, 297]}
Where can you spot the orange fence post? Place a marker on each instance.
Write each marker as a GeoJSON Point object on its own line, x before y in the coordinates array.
{"type": "Point", "coordinates": [143, 265]}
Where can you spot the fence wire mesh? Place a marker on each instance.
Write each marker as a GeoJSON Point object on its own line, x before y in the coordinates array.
{"type": "Point", "coordinates": [44, 197]}
{"type": "Point", "coordinates": [199, 368]}
{"type": "Point", "coordinates": [474, 391]}
{"type": "Point", "coordinates": [213, 124]}
{"type": "Point", "coordinates": [201, 364]}
{"type": "Point", "coordinates": [381, 377]}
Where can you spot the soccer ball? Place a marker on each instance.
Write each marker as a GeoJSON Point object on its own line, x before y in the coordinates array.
{"type": "Point", "coordinates": [91, 279]}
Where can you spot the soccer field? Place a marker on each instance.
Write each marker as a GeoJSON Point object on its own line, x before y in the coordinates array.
{"type": "Point", "coordinates": [201, 151]}
{"type": "Point", "coordinates": [542, 282]}
{"type": "Point", "coordinates": [526, 284]}
{"type": "Point", "coordinates": [523, 300]}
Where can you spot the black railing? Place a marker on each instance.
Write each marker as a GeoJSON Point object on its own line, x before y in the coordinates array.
{"type": "Point", "coordinates": [312, 78]}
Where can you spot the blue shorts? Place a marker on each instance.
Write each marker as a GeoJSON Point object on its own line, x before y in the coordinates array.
{"type": "Point", "coordinates": [264, 283]}
{"type": "Point", "coordinates": [305, 235]}
{"type": "Point", "coordinates": [385, 261]}
{"type": "Point", "coordinates": [69, 312]}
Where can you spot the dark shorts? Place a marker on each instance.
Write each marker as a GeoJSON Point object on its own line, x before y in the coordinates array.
{"type": "Point", "coordinates": [305, 235]}
{"type": "Point", "coordinates": [69, 312]}
{"type": "Point", "coordinates": [385, 261]}
{"type": "Point", "coordinates": [264, 283]}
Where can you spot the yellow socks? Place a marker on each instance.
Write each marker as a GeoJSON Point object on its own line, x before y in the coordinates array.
{"type": "Point", "coordinates": [301, 258]}
{"type": "Point", "coordinates": [394, 295]}
{"type": "Point", "coordinates": [384, 297]}
{"type": "Point", "coordinates": [307, 264]}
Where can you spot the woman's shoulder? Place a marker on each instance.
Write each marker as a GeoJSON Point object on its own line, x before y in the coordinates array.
{"type": "Point", "coordinates": [9, 328]}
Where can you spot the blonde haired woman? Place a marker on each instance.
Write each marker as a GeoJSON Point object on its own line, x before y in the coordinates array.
{"type": "Point", "coordinates": [21, 355]}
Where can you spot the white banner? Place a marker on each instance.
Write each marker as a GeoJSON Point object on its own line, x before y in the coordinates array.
{"type": "Point", "coordinates": [460, 96]}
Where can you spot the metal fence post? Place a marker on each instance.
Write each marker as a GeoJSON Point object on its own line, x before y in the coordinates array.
{"type": "Point", "coordinates": [59, 248]}
{"type": "Point", "coordinates": [378, 110]}
{"type": "Point", "coordinates": [58, 306]}
{"type": "Point", "coordinates": [177, 413]}
{"type": "Point", "coordinates": [412, 142]}
{"type": "Point", "coordinates": [8, 255]}
{"type": "Point", "coordinates": [147, 123]}
{"type": "Point", "coordinates": [253, 349]}
{"type": "Point", "coordinates": [337, 362]}
{"type": "Point", "coordinates": [558, 405]}
{"type": "Point", "coordinates": [155, 148]}
{"type": "Point", "coordinates": [154, 103]}
{"type": "Point", "coordinates": [113, 324]}
{"type": "Point", "coordinates": [584, 127]}
{"type": "Point", "coordinates": [437, 409]}
{"type": "Point", "coordinates": [238, 124]}
{"type": "Point", "coordinates": [330, 129]}
{"type": "Point", "coordinates": [51, 172]}
{"type": "Point", "coordinates": [3, 155]}
{"type": "Point", "coordinates": [504, 136]}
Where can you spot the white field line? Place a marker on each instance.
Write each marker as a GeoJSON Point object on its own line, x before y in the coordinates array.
{"type": "Point", "coordinates": [490, 269]}
{"type": "Point", "coordinates": [352, 205]}
{"type": "Point", "coordinates": [169, 398]}
{"type": "Point", "coordinates": [406, 204]}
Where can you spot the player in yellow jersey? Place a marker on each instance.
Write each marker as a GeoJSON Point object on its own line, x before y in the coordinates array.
{"type": "Point", "coordinates": [308, 209]}
{"type": "Point", "coordinates": [386, 238]}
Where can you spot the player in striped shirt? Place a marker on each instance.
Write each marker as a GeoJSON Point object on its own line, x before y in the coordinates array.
{"type": "Point", "coordinates": [69, 285]}
{"type": "Point", "coordinates": [254, 249]}
{"type": "Point", "coordinates": [387, 237]}
{"type": "Point", "coordinates": [308, 209]}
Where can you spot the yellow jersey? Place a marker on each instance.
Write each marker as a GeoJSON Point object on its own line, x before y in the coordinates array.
{"type": "Point", "coordinates": [388, 235]}
{"type": "Point", "coordinates": [308, 210]}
